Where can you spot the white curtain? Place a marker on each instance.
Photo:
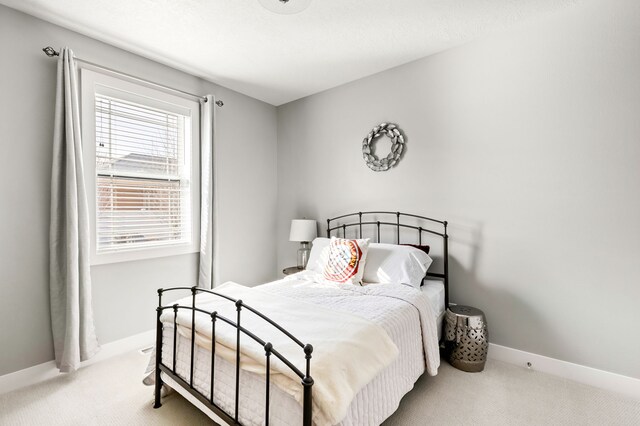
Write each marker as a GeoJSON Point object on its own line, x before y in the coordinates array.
{"type": "Point", "coordinates": [207, 277]}
{"type": "Point", "coordinates": [74, 336]}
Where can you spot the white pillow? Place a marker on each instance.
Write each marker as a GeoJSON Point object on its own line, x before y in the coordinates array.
{"type": "Point", "coordinates": [346, 260]}
{"type": "Point", "coordinates": [319, 255]}
{"type": "Point", "coordinates": [391, 263]}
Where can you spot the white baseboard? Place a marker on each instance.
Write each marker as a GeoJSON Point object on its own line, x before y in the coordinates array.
{"type": "Point", "coordinates": [41, 372]}
{"type": "Point", "coordinates": [628, 386]}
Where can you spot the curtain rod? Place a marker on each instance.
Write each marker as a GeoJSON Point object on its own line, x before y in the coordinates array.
{"type": "Point", "coordinates": [51, 52]}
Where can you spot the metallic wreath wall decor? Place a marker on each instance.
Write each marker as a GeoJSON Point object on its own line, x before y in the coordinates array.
{"type": "Point", "coordinates": [397, 139]}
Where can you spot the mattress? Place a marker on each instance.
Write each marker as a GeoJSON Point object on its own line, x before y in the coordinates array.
{"type": "Point", "coordinates": [434, 290]}
{"type": "Point", "coordinates": [372, 404]}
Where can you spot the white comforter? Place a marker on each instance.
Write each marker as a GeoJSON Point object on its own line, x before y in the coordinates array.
{"type": "Point", "coordinates": [372, 303]}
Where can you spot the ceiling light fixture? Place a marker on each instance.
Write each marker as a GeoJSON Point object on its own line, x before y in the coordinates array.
{"type": "Point", "coordinates": [285, 7]}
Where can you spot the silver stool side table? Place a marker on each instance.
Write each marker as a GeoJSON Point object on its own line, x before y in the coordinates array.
{"type": "Point", "coordinates": [466, 338]}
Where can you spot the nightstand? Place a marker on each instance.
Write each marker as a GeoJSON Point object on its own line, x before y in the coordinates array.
{"type": "Point", "coordinates": [466, 337]}
{"type": "Point", "coordinates": [291, 270]}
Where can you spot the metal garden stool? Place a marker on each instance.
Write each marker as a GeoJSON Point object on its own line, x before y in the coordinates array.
{"type": "Point", "coordinates": [466, 338]}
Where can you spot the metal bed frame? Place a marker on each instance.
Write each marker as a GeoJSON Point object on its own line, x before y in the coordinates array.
{"type": "Point", "coordinates": [307, 350]}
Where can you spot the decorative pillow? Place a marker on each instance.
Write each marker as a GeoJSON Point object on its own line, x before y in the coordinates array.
{"type": "Point", "coordinates": [396, 264]}
{"type": "Point", "coordinates": [346, 260]}
{"type": "Point", "coordinates": [319, 255]}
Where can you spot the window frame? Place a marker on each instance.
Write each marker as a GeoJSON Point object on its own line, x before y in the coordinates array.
{"type": "Point", "coordinates": [93, 82]}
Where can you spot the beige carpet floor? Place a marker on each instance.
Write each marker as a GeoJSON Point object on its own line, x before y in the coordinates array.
{"type": "Point", "coordinates": [111, 393]}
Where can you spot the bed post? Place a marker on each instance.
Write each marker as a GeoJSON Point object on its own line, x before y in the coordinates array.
{"type": "Point", "coordinates": [158, 384]}
{"type": "Point", "coordinates": [307, 383]}
{"type": "Point", "coordinates": [238, 310]}
{"type": "Point", "coordinates": [193, 332]}
{"type": "Point", "coordinates": [446, 266]}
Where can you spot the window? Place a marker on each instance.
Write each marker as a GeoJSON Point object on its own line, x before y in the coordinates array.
{"type": "Point", "coordinates": [141, 167]}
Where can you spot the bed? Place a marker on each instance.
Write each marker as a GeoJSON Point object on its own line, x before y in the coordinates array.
{"type": "Point", "coordinates": [326, 353]}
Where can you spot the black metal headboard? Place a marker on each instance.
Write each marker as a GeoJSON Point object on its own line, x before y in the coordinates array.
{"type": "Point", "coordinates": [423, 224]}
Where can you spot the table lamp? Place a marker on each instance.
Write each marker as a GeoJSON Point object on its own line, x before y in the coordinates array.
{"type": "Point", "coordinates": [303, 231]}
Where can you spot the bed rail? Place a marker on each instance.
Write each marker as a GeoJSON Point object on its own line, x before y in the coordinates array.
{"type": "Point", "coordinates": [307, 350]}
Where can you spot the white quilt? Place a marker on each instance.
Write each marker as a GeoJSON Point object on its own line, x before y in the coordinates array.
{"type": "Point", "coordinates": [403, 312]}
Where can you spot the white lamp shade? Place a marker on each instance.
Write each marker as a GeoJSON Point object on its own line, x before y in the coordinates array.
{"type": "Point", "coordinates": [303, 230]}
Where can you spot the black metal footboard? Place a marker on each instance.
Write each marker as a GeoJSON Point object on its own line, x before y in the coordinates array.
{"type": "Point", "coordinates": [306, 380]}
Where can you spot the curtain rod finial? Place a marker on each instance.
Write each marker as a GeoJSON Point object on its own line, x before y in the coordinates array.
{"type": "Point", "coordinates": [50, 52]}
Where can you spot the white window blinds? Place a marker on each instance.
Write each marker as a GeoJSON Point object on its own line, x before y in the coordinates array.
{"type": "Point", "coordinates": [142, 176]}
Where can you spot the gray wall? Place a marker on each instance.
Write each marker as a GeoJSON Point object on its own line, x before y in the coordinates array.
{"type": "Point", "coordinates": [528, 141]}
{"type": "Point", "coordinates": [124, 293]}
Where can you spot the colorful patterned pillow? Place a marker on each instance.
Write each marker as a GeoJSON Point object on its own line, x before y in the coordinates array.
{"type": "Point", "coordinates": [345, 263]}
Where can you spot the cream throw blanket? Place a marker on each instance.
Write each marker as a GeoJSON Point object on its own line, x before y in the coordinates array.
{"type": "Point", "coordinates": [349, 351]}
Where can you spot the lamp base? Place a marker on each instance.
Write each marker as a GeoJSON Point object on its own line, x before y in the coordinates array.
{"type": "Point", "coordinates": [303, 255]}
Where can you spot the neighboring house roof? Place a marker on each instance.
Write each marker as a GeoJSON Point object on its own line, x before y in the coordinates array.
{"type": "Point", "coordinates": [148, 163]}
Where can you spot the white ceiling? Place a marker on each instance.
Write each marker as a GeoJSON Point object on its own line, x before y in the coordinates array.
{"type": "Point", "coordinates": [280, 58]}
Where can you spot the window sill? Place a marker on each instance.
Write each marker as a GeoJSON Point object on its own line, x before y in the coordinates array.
{"type": "Point", "coordinates": [142, 254]}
